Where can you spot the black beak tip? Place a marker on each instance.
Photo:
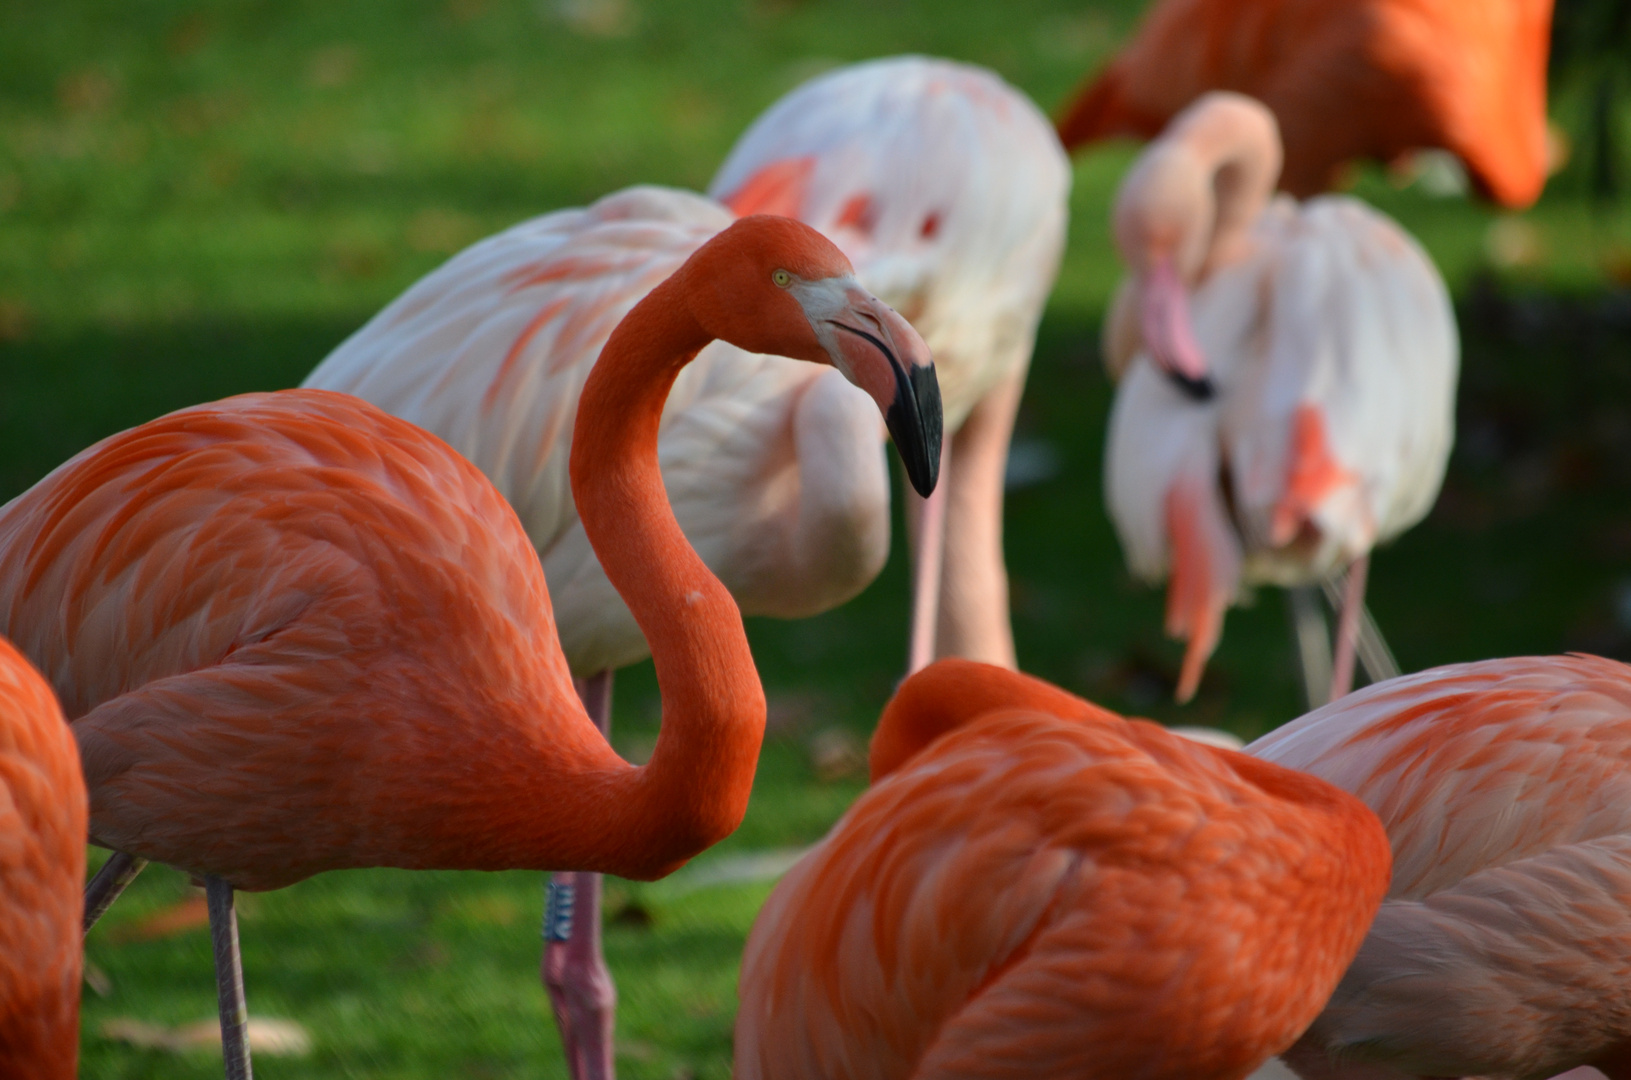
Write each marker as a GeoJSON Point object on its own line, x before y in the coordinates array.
{"type": "Point", "coordinates": [1201, 389]}
{"type": "Point", "coordinates": [915, 423]}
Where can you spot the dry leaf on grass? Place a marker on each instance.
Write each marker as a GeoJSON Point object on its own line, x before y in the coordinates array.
{"type": "Point", "coordinates": [274, 1038]}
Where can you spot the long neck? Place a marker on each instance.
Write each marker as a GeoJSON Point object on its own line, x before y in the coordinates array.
{"type": "Point", "coordinates": [695, 788]}
{"type": "Point", "coordinates": [1240, 151]}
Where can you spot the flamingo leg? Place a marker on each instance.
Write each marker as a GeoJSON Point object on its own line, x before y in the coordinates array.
{"type": "Point", "coordinates": [104, 888]}
{"type": "Point", "coordinates": [229, 979]}
{"type": "Point", "coordinates": [1374, 655]}
{"type": "Point", "coordinates": [581, 992]}
{"type": "Point", "coordinates": [1313, 641]}
{"type": "Point", "coordinates": [929, 547]}
{"type": "Point", "coordinates": [973, 618]}
{"type": "Point", "coordinates": [1353, 603]}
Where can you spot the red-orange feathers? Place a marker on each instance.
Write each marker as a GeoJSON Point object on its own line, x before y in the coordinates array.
{"type": "Point", "coordinates": [42, 869]}
{"type": "Point", "coordinates": [1346, 79]}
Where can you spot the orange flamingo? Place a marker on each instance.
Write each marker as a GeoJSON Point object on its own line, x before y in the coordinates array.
{"type": "Point", "coordinates": [1036, 887]}
{"type": "Point", "coordinates": [42, 863]}
{"type": "Point", "coordinates": [295, 634]}
{"type": "Point", "coordinates": [1346, 79]}
{"type": "Point", "coordinates": [1504, 945]}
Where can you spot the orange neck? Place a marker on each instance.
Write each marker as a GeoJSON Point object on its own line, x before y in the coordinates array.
{"type": "Point", "coordinates": [695, 789]}
{"type": "Point", "coordinates": [946, 695]}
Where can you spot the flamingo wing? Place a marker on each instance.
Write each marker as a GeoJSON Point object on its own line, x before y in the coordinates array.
{"type": "Point", "coordinates": [253, 611]}
{"type": "Point", "coordinates": [1036, 896]}
{"type": "Point", "coordinates": [943, 184]}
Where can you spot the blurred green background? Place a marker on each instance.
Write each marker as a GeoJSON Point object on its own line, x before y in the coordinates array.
{"type": "Point", "coordinates": [198, 199]}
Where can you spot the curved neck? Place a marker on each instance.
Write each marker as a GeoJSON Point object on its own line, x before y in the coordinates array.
{"type": "Point", "coordinates": [1239, 151]}
{"type": "Point", "coordinates": [695, 788]}
{"type": "Point", "coordinates": [950, 693]}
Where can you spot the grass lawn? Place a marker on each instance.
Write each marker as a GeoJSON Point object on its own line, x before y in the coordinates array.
{"type": "Point", "coordinates": [202, 199]}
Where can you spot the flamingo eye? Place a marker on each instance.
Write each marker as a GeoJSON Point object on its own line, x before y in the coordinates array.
{"type": "Point", "coordinates": [782, 279]}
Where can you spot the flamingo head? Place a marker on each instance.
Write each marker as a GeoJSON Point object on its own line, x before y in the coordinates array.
{"type": "Point", "coordinates": [773, 285]}
{"type": "Point", "coordinates": [1163, 221]}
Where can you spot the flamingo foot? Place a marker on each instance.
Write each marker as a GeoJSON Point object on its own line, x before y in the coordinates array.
{"type": "Point", "coordinates": [581, 992]}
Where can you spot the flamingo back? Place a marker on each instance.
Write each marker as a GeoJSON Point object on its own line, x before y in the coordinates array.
{"type": "Point", "coordinates": [253, 610]}
{"type": "Point", "coordinates": [1346, 79]}
{"type": "Point", "coordinates": [765, 459]}
{"type": "Point", "coordinates": [42, 869]}
{"type": "Point", "coordinates": [944, 185]}
{"type": "Point", "coordinates": [1037, 896]}
{"type": "Point", "coordinates": [1338, 416]}
{"type": "Point", "coordinates": [1505, 945]}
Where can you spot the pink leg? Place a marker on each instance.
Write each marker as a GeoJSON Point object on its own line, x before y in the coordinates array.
{"type": "Point", "coordinates": [1353, 604]}
{"type": "Point", "coordinates": [974, 621]}
{"type": "Point", "coordinates": [581, 991]}
{"type": "Point", "coordinates": [929, 545]}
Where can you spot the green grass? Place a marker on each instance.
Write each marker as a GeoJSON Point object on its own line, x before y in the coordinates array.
{"type": "Point", "coordinates": [197, 200]}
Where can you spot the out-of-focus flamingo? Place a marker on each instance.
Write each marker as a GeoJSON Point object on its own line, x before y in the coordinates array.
{"type": "Point", "coordinates": [295, 634]}
{"type": "Point", "coordinates": [1347, 79]}
{"type": "Point", "coordinates": [773, 467]}
{"type": "Point", "coordinates": [1504, 946]}
{"type": "Point", "coordinates": [948, 190]}
{"type": "Point", "coordinates": [42, 866]}
{"type": "Point", "coordinates": [1036, 887]}
{"type": "Point", "coordinates": [1305, 412]}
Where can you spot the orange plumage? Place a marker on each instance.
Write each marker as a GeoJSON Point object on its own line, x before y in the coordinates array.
{"type": "Point", "coordinates": [1035, 887]}
{"type": "Point", "coordinates": [1346, 79]}
{"type": "Point", "coordinates": [42, 866]}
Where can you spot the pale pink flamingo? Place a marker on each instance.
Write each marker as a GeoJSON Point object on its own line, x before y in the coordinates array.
{"type": "Point", "coordinates": [42, 867]}
{"type": "Point", "coordinates": [293, 633]}
{"type": "Point", "coordinates": [1035, 887]}
{"type": "Point", "coordinates": [1504, 946]}
{"type": "Point", "coordinates": [948, 190]}
{"type": "Point", "coordinates": [1287, 386]}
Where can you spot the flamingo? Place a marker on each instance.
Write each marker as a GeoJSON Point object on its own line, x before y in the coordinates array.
{"type": "Point", "coordinates": [1504, 944]}
{"type": "Point", "coordinates": [773, 466]}
{"type": "Point", "coordinates": [1035, 887]}
{"type": "Point", "coordinates": [948, 190]}
{"type": "Point", "coordinates": [1346, 79]}
{"type": "Point", "coordinates": [1304, 415]}
{"type": "Point", "coordinates": [293, 633]}
{"type": "Point", "coordinates": [42, 865]}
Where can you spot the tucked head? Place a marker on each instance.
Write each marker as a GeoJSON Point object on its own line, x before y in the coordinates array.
{"type": "Point", "coordinates": [773, 285]}
{"type": "Point", "coordinates": [1186, 207]}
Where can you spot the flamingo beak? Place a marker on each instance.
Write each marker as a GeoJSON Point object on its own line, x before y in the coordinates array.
{"type": "Point", "coordinates": [1168, 333]}
{"type": "Point", "coordinates": [880, 352]}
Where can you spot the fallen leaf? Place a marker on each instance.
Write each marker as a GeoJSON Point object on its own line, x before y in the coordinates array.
{"type": "Point", "coordinates": [188, 914]}
{"type": "Point", "coordinates": [274, 1038]}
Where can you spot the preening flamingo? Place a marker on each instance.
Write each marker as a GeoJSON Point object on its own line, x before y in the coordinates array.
{"type": "Point", "coordinates": [1347, 79]}
{"type": "Point", "coordinates": [773, 467]}
{"type": "Point", "coordinates": [1303, 415]}
{"type": "Point", "coordinates": [42, 867]}
{"type": "Point", "coordinates": [1035, 887]}
{"type": "Point", "coordinates": [1504, 946]}
{"type": "Point", "coordinates": [295, 634]}
{"type": "Point", "coordinates": [948, 190]}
